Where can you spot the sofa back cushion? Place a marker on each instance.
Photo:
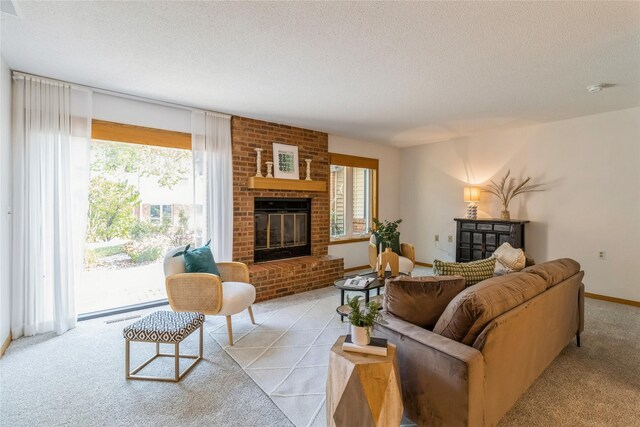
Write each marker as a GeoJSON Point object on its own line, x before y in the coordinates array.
{"type": "Point", "coordinates": [554, 272]}
{"type": "Point", "coordinates": [472, 309]}
{"type": "Point", "coordinates": [421, 300]}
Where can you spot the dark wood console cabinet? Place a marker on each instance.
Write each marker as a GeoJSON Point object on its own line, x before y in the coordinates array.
{"type": "Point", "coordinates": [478, 238]}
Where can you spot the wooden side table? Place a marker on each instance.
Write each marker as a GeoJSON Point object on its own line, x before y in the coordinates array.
{"type": "Point", "coordinates": [363, 389]}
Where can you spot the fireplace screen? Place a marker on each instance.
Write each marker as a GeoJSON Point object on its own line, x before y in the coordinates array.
{"type": "Point", "coordinates": [281, 228]}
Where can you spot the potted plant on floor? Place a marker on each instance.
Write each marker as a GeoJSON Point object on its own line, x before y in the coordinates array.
{"type": "Point", "coordinates": [362, 319]}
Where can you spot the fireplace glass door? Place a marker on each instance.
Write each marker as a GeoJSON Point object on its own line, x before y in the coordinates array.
{"type": "Point", "coordinates": [279, 232]}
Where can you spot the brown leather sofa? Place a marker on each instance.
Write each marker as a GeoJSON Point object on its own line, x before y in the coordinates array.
{"type": "Point", "coordinates": [489, 344]}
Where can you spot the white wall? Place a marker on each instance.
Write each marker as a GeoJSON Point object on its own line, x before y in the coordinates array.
{"type": "Point", "coordinates": [591, 166]}
{"type": "Point", "coordinates": [356, 254]}
{"type": "Point", "coordinates": [5, 200]}
{"type": "Point", "coordinates": [132, 112]}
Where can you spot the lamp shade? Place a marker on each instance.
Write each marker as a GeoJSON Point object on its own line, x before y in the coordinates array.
{"type": "Point", "coordinates": [471, 194]}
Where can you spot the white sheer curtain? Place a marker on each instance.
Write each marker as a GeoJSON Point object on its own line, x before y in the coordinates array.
{"type": "Point", "coordinates": [213, 182]}
{"type": "Point", "coordinates": [52, 136]}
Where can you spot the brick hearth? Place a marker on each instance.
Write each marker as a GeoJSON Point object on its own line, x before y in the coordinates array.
{"type": "Point", "coordinates": [278, 278]}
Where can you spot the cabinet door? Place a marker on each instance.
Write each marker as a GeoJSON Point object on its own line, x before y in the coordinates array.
{"type": "Point", "coordinates": [465, 254]}
{"type": "Point", "coordinates": [504, 238]}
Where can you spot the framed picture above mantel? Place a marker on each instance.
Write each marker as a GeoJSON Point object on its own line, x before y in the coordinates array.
{"type": "Point", "coordinates": [285, 161]}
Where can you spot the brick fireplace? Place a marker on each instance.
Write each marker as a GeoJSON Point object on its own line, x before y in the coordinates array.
{"type": "Point", "coordinates": [283, 277]}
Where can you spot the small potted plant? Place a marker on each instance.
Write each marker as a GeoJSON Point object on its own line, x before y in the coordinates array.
{"type": "Point", "coordinates": [387, 231]}
{"type": "Point", "coordinates": [362, 319]}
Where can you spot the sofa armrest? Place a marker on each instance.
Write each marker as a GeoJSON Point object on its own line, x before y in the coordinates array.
{"type": "Point", "coordinates": [373, 256]}
{"type": "Point", "coordinates": [408, 251]}
{"type": "Point", "coordinates": [442, 379]}
{"type": "Point", "coordinates": [233, 272]}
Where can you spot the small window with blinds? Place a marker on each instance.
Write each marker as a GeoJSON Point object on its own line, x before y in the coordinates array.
{"type": "Point", "coordinates": [353, 197]}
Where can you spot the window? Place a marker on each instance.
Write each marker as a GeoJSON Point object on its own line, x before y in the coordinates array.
{"type": "Point", "coordinates": [353, 197]}
{"type": "Point", "coordinates": [154, 213]}
{"type": "Point", "coordinates": [167, 213]}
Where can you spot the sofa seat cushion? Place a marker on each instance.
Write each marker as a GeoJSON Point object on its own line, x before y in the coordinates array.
{"type": "Point", "coordinates": [554, 272]}
{"type": "Point", "coordinates": [421, 300]}
{"type": "Point", "coordinates": [473, 272]}
{"type": "Point", "coordinates": [472, 309]}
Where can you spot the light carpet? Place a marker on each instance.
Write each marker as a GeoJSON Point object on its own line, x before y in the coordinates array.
{"type": "Point", "coordinates": [77, 379]}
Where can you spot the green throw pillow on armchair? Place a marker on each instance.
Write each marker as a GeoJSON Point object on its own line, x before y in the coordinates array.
{"type": "Point", "coordinates": [200, 260]}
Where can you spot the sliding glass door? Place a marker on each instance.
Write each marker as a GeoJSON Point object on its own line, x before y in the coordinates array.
{"type": "Point", "coordinates": [140, 205]}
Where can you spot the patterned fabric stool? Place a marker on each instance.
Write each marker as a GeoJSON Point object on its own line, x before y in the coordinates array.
{"type": "Point", "coordinates": [163, 327]}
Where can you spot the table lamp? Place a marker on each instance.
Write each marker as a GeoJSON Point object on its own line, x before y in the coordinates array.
{"type": "Point", "coordinates": [472, 195]}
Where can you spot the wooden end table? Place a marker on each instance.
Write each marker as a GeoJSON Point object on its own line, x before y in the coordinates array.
{"type": "Point", "coordinates": [363, 389]}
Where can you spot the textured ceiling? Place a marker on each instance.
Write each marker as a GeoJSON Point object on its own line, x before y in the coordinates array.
{"type": "Point", "coordinates": [399, 73]}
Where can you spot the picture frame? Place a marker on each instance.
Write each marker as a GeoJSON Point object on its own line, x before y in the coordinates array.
{"type": "Point", "coordinates": [285, 161]}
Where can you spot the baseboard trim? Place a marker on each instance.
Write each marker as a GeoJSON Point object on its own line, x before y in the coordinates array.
{"type": "Point", "coordinates": [5, 345]}
{"type": "Point", "coordinates": [423, 264]}
{"type": "Point", "coordinates": [612, 299]}
{"type": "Point", "coordinates": [360, 267]}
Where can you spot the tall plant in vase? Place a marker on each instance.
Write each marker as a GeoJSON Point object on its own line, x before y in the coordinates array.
{"type": "Point", "coordinates": [386, 230]}
{"type": "Point", "coordinates": [507, 189]}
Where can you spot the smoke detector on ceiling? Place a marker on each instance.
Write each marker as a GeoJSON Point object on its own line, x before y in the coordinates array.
{"type": "Point", "coordinates": [598, 87]}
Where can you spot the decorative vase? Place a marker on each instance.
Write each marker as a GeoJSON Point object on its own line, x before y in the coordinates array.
{"type": "Point", "coordinates": [360, 335]}
{"type": "Point", "coordinates": [258, 162]}
{"type": "Point", "coordinates": [308, 169]}
{"type": "Point", "coordinates": [391, 259]}
{"type": "Point", "coordinates": [504, 214]}
{"type": "Point", "coordinates": [269, 167]}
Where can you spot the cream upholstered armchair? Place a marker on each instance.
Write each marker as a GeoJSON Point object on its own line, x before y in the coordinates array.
{"type": "Point", "coordinates": [207, 293]}
{"type": "Point", "coordinates": [407, 260]}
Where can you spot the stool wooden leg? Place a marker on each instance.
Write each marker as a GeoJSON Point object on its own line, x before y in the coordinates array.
{"type": "Point", "coordinates": [229, 331]}
{"type": "Point", "coordinates": [251, 315]}
{"type": "Point", "coordinates": [177, 356]}
{"type": "Point", "coordinates": [126, 359]}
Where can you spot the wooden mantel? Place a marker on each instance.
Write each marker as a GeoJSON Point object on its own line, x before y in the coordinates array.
{"type": "Point", "coordinates": [261, 183]}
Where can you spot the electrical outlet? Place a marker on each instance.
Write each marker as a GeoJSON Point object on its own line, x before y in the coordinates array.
{"type": "Point", "coordinates": [437, 237]}
{"type": "Point", "coordinates": [602, 254]}
{"type": "Point", "coordinates": [450, 239]}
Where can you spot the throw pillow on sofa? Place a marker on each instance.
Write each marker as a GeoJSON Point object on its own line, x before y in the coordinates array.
{"type": "Point", "coordinates": [421, 300]}
{"type": "Point", "coordinates": [508, 259]}
{"type": "Point", "coordinates": [473, 272]}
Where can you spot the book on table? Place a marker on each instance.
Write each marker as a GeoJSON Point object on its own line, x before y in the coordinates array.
{"type": "Point", "coordinates": [358, 282]}
{"type": "Point", "coordinates": [377, 346]}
